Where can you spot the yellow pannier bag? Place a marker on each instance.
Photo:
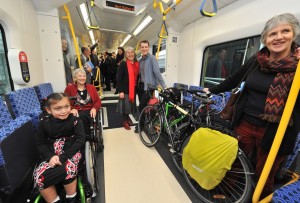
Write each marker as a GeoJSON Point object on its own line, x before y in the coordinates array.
{"type": "Point", "coordinates": [208, 156]}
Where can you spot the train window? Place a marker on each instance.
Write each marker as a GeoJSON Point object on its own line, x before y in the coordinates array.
{"type": "Point", "coordinates": [162, 59]}
{"type": "Point", "coordinates": [221, 60]}
{"type": "Point", "coordinates": [5, 82]}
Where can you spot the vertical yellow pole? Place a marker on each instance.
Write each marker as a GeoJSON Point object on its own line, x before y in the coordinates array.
{"type": "Point", "coordinates": [279, 134]}
{"type": "Point", "coordinates": [83, 41]}
{"type": "Point", "coordinates": [68, 17]}
{"type": "Point", "coordinates": [159, 42]}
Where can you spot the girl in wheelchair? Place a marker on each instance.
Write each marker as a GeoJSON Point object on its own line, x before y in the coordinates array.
{"type": "Point", "coordinates": [59, 139]}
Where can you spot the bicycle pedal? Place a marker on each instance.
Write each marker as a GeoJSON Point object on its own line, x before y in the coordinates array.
{"type": "Point", "coordinates": [172, 150]}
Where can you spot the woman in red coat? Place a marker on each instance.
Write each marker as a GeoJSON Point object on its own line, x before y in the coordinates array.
{"type": "Point", "coordinates": [126, 84]}
{"type": "Point", "coordinates": [86, 101]}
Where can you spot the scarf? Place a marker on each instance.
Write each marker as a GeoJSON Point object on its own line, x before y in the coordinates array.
{"type": "Point", "coordinates": [132, 79]}
{"type": "Point", "coordinates": [279, 90]}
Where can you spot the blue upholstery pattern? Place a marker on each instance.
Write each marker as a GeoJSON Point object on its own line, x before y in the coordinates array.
{"type": "Point", "coordinates": [25, 102]}
{"type": "Point", "coordinates": [292, 157]}
{"type": "Point", "coordinates": [43, 90]}
{"type": "Point", "coordinates": [289, 193]}
{"type": "Point", "coordinates": [220, 101]}
{"type": "Point", "coordinates": [192, 87]}
{"type": "Point", "coordinates": [5, 117]}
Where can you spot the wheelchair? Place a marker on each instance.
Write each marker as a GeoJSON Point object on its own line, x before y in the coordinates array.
{"type": "Point", "coordinates": [87, 185]}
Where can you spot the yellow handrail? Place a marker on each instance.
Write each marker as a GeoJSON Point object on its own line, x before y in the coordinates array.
{"type": "Point", "coordinates": [163, 31]}
{"type": "Point", "coordinates": [287, 112]}
{"type": "Point", "coordinates": [68, 17]}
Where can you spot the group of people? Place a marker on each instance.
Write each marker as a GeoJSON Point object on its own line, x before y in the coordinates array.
{"type": "Point", "coordinates": [61, 135]}
{"type": "Point", "coordinates": [133, 78]}
{"type": "Point", "coordinates": [268, 76]}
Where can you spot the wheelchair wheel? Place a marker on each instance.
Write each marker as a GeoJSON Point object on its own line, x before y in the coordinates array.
{"type": "Point", "coordinates": [236, 186]}
{"type": "Point", "coordinates": [90, 163]}
{"type": "Point", "coordinates": [150, 126]}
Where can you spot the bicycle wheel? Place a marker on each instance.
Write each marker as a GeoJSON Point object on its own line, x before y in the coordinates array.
{"type": "Point", "coordinates": [236, 186]}
{"type": "Point", "coordinates": [150, 126]}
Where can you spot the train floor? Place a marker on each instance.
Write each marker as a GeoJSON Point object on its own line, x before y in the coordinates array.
{"type": "Point", "coordinates": [134, 173]}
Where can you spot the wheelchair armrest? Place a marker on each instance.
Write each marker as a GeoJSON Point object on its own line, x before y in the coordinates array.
{"type": "Point", "coordinates": [19, 153]}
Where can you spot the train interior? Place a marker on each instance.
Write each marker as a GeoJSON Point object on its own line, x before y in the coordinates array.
{"type": "Point", "coordinates": [183, 35]}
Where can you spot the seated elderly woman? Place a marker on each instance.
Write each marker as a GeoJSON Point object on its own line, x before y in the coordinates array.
{"type": "Point", "coordinates": [86, 102]}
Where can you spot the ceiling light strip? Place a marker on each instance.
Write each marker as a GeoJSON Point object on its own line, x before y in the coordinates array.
{"type": "Point", "coordinates": [125, 40]}
{"type": "Point", "coordinates": [142, 25]}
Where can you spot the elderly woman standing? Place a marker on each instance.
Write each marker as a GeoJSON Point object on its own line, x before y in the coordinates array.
{"type": "Point", "coordinates": [126, 82]}
{"type": "Point", "coordinates": [268, 78]}
{"type": "Point", "coordinates": [87, 102]}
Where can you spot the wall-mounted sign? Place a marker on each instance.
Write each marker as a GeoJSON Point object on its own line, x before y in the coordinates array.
{"type": "Point", "coordinates": [18, 64]}
{"type": "Point", "coordinates": [119, 6]}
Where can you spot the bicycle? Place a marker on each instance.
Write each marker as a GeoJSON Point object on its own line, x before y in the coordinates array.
{"type": "Point", "coordinates": [236, 186]}
{"type": "Point", "coordinates": [168, 118]}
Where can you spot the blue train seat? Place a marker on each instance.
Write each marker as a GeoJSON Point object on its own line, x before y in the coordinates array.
{"type": "Point", "coordinates": [43, 90]}
{"type": "Point", "coordinates": [17, 149]}
{"type": "Point", "coordinates": [25, 102]}
{"type": "Point", "coordinates": [220, 101]}
{"type": "Point", "coordinates": [289, 193]}
{"type": "Point", "coordinates": [181, 86]}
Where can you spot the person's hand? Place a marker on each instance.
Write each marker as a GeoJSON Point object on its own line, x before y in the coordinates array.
{"type": "Point", "coordinates": [93, 112]}
{"type": "Point", "coordinates": [54, 161]}
{"type": "Point", "coordinates": [75, 112]}
{"type": "Point", "coordinates": [121, 95]}
{"type": "Point", "coordinates": [206, 90]}
{"type": "Point", "coordinates": [89, 69]}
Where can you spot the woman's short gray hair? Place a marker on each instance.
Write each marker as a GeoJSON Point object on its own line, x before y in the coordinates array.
{"type": "Point", "coordinates": [128, 49]}
{"type": "Point", "coordinates": [76, 71]}
{"type": "Point", "coordinates": [286, 18]}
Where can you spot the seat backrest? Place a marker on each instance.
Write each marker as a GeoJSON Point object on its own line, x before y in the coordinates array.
{"type": "Point", "coordinates": [5, 116]}
{"type": "Point", "coordinates": [43, 90]}
{"type": "Point", "coordinates": [23, 101]}
{"type": "Point", "coordinates": [193, 87]}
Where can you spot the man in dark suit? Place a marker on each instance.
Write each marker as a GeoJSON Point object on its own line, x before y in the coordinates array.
{"type": "Point", "coordinates": [84, 58]}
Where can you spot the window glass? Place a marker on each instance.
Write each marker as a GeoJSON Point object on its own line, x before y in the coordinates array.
{"type": "Point", "coordinates": [162, 59]}
{"type": "Point", "coordinates": [222, 60]}
{"type": "Point", "coordinates": [5, 84]}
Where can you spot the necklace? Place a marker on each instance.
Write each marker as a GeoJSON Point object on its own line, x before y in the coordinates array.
{"type": "Point", "coordinates": [81, 93]}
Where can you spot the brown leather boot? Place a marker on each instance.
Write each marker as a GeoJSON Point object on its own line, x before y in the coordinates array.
{"type": "Point", "coordinates": [126, 126]}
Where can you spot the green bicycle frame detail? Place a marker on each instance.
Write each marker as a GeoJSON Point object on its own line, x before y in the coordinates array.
{"type": "Point", "coordinates": [174, 122]}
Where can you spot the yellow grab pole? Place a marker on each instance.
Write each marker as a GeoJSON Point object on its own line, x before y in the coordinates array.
{"type": "Point", "coordinates": [83, 41]}
{"type": "Point", "coordinates": [287, 112]}
{"type": "Point", "coordinates": [68, 17]}
{"type": "Point", "coordinates": [159, 42]}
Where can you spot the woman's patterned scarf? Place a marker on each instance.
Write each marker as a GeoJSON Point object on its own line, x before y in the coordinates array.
{"type": "Point", "coordinates": [280, 87]}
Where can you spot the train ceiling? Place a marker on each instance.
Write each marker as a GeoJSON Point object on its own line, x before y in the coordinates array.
{"type": "Point", "coordinates": [115, 23]}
